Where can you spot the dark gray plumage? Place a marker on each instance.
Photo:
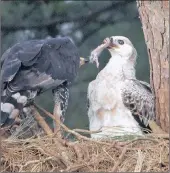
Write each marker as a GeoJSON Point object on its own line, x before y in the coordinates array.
{"type": "Point", "coordinates": [35, 57]}
{"type": "Point", "coordinates": [32, 67]}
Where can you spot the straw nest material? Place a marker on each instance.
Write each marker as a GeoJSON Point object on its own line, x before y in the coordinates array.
{"type": "Point", "coordinates": [52, 153]}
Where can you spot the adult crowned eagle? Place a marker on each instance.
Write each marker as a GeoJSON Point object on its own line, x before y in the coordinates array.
{"type": "Point", "coordinates": [118, 103]}
{"type": "Point", "coordinates": [32, 67]}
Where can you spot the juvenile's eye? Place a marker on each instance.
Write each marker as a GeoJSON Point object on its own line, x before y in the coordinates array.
{"type": "Point", "coordinates": [111, 39]}
{"type": "Point", "coordinates": [121, 42]}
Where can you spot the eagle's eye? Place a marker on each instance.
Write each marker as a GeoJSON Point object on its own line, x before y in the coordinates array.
{"type": "Point", "coordinates": [111, 39]}
{"type": "Point", "coordinates": [121, 42]}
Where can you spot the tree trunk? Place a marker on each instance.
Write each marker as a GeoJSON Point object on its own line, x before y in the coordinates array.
{"type": "Point", "coordinates": [154, 16]}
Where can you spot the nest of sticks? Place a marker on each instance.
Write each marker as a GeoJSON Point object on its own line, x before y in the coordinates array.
{"type": "Point", "coordinates": [51, 153]}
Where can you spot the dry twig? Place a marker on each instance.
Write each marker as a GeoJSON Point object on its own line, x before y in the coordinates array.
{"type": "Point", "coordinates": [85, 155]}
{"type": "Point", "coordinates": [41, 122]}
{"type": "Point", "coordinates": [119, 160]}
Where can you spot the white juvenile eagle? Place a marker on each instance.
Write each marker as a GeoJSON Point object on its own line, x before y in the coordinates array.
{"type": "Point", "coordinates": [118, 103]}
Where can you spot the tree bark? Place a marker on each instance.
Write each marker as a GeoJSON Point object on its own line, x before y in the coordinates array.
{"type": "Point", "coordinates": [154, 16]}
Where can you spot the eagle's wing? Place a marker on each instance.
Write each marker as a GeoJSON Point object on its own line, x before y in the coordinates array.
{"type": "Point", "coordinates": [13, 58]}
{"type": "Point", "coordinates": [138, 98]}
{"type": "Point", "coordinates": [39, 63]}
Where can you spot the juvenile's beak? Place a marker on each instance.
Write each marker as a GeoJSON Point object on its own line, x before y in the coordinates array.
{"type": "Point", "coordinates": [83, 61]}
{"type": "Point", "coordinates": [111, 44]}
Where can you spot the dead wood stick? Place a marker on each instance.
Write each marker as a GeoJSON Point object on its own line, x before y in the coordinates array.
{"type": "Point", "coordinates": [42, 122]}
{"type": "Point", "coordinates": [85, 138]}
{"type": "Point", "coordinates": [87, 131]}
{"type": "Point", "coordinates": [139, 162]}
{"type": "Point", "coordinates": [53, 117]}
{"type": "Point", "coordinates": [119, 160]}
{"type": "Point", "coordinates": [164, 135]}
{"type": "Point", "coordinates": [56, 115]}
{"type": "Point", "coordinates": [69, 130]}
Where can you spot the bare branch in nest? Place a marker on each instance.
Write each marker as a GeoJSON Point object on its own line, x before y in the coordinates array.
{"type": "Point", "coordinates": [53, 154]}
{"type": "Point", "coordinates": [77, 135]}
{"type": "Point", "coordinates": [56, 116]}
{"type": "Point", "coordinates": [140, 161]}
{"type": "Point", "coordinates": [41, 122]}
{"type": "Point", "coordinates": [119, 160]}
{"type": "Point", "coordinates": [86, 131]}
{"type": "Point", "coordinates": [80, 137]}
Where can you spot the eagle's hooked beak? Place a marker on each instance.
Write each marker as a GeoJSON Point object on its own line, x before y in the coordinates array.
{"type": "Point", "coordinates": [111, 44]}
{"type": "Point", "coordinates": [83, 61]}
